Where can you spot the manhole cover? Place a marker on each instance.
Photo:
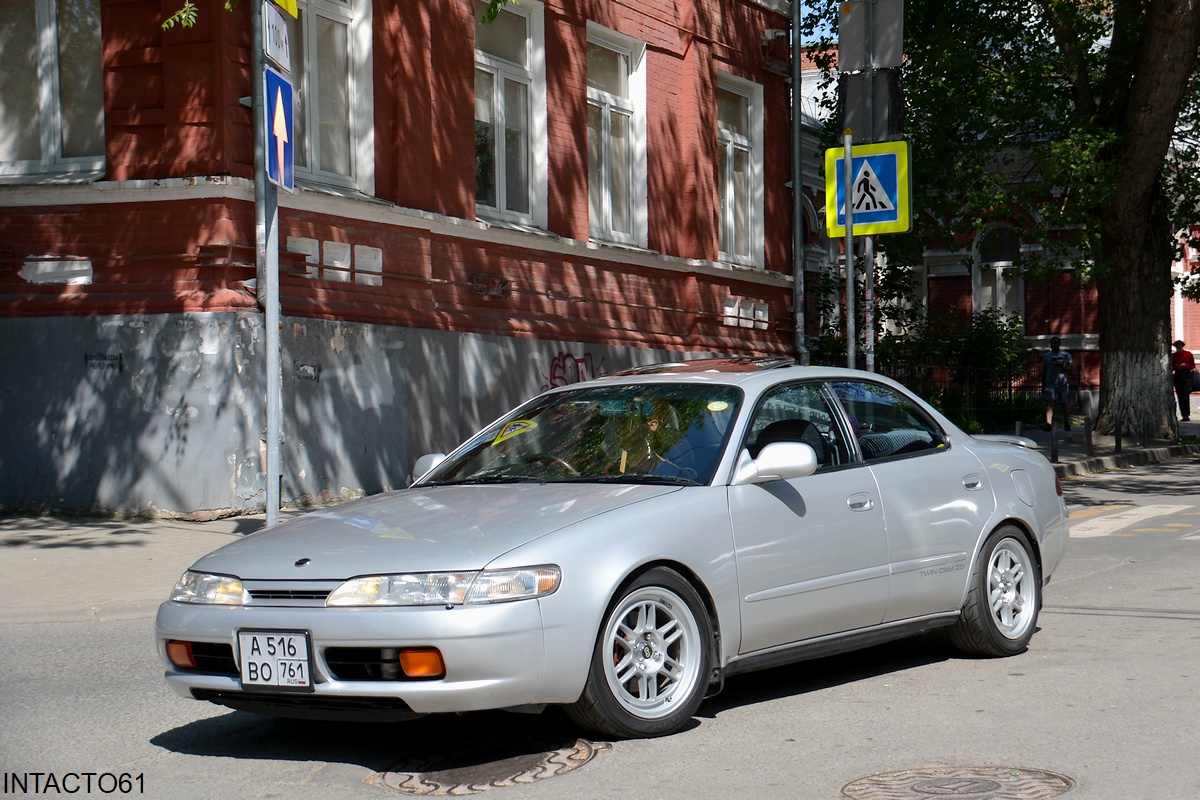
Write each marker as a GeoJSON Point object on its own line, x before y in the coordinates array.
{"type": "Point", "coordinates": [967, 783]}
{"type": "Point", "coordinates": [481, 764]}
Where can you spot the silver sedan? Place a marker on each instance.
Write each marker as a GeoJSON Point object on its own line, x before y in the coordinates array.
{"type": "Point", "coordinates": [621, 546]}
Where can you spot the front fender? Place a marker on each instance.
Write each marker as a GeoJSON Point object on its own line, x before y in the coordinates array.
{"type": "Point", "coordinates": [689, 528]}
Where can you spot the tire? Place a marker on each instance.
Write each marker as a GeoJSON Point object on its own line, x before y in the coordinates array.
{"type": "Point", "coordinates": [652, 660]}
{"type": "Point", "coordinates": [1005, 595]}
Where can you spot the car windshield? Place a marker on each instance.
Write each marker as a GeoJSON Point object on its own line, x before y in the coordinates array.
{"type": "Point", "coordinates": [669, 433]}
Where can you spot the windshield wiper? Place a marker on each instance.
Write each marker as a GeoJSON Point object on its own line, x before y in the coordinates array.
{"type": "Point", "coordinates": [633, 477]}
{"type": "Point", "coordinates": [481, 479]}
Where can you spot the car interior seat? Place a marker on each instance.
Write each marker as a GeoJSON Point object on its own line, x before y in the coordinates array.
{"type": "Point", "coordinates": [792, 430]}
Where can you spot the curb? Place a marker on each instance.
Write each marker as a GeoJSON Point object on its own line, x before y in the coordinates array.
{"type": "Point", "coordinates": [1152, 455]}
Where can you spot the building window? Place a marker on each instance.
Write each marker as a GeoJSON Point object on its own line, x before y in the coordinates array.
{"type": "Point", "coordinates": [51, 88]}
{"type": "Point", "coordinates": [616, 137]}
{"type": "Point", "coordinates": [739, 170]}
{"type": "Point", "coordinates": [998, 282]}
{"type": "Point", "coordinates": [334, 96]}
{"type": "Point", "coordinates": [510, 115]}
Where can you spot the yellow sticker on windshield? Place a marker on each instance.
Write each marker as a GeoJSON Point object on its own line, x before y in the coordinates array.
{"type": "Point", "coordinates": [718, 405]}
{"type": "Point", "coordinates": [517, 426]}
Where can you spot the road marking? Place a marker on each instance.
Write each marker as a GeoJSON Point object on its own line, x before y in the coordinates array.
{"type": "Point", "coordinates": [1095, 511]}
{"type": "Point", "coordinates": [1093, 526]}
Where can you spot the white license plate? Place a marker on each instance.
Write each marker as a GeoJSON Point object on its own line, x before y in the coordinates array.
{"type": "Point", "coordinates": [277, 659]}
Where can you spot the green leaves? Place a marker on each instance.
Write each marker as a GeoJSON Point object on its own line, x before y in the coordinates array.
{"type": "Point", "coordinates": [185, 16]}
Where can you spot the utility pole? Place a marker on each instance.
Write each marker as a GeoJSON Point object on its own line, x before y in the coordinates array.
{"type": "Point", "coordinates": [870, 51]}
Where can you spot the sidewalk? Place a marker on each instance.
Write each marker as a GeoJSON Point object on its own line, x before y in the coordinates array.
{"type": "Point", "coordinates": [71, 569]}
{"type": "Point", "coordinates": [1073, 457]}
{"type": "Point", "coordinates": [74, 569]}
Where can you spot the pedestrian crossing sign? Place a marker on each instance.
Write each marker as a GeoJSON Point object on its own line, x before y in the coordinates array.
{"type": "Point", "coordinates": [879, 193]}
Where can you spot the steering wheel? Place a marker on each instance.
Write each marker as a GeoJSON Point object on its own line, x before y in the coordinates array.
{"type": "Point", "coordinates": [552, 461]}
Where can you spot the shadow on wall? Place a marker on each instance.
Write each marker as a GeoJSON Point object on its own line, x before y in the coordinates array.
{"type": "Point", "coordinates": [166, 415]}
{"type": "Point", "coordinates": [128, 414]}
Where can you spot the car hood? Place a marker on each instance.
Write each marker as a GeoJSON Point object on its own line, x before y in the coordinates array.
{"type": "Point", "coordinates": [424, 528]}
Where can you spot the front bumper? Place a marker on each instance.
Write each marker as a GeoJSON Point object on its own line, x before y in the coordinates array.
{"type": "Point", "coordinates": [494, 655]}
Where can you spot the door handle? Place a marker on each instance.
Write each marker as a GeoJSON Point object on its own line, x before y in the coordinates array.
{"type": "Point", "coordinates": [860, 502]}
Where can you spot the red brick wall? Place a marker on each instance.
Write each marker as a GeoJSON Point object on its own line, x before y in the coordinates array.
{"type": "Point", "coordinates": [172, 111]}
{"type": "Point", "coordinates": [171, 97]}
{"type": "Point", "coordinates": [950, 298]}
{"type": "Point", "coordinates": [1063, 305]}
{"type": "Point", "coordinates": [189, 255]}
{"type": "Point", "coordinates": [566, 103]}
{"type": "Point", "coordinates": [441, 281]}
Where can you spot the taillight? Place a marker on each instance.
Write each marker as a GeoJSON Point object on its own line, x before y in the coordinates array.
{"type": "Point", "coordinates": [1058, 486]}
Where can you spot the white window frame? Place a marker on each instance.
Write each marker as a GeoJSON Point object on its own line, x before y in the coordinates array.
{"type": "Point", "coordinates": [753, 145]}
{"type": "Point", "coordinates": [357, 15]}
{"type": "Point", "coordinates": [635, 106]}
{"type": "Point", "coordinates": [998, 285]}
{"type": "Point", "coordinates": [49, 110]}
{"type": "Point", "coordinates": [532, 75]}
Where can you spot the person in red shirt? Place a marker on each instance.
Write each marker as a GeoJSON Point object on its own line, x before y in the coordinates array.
{"type": "Point", "coordinates": [1183, 364]}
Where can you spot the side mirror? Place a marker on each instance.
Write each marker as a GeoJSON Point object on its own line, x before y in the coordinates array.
{"type": "Point", "coordinates": [424, 464]}
{"type": "Point", "coordinates": [780, 461]}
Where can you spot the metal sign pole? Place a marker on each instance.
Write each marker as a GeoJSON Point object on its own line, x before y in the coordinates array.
{"type": "Point", "coordinates": [869, 301]}
{"type": "Point", "coordinates": [266, 219]}
{"type": "Point", "coordinates": [848, 179]}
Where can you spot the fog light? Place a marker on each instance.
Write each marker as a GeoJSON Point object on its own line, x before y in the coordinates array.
{"type": "Point", "coordinates": [422, 662]}
{"type": "Point", "coordinates": [180, 654]}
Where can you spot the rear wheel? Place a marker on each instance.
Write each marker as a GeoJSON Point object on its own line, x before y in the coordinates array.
{"type": "Point", "coordinates": [652, 660]}
{"type": "Point", "coordinates": [1001, 611]}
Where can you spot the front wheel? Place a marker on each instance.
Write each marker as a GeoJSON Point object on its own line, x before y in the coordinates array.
{"type": "Point", "coordinates": [652, 660]}
{"type": "Point", "coordinates": [1002, 605]}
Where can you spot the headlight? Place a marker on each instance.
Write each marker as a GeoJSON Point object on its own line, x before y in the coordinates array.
{"type": "Point", "coordinates": [201, 587]}
{"type": "Point", "coordinates": [447, 588]}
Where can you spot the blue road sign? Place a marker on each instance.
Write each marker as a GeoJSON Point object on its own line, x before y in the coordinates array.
{"type": "Point", "coordinates": [280, 113]}
{"type": "Point", "coordinates": [879, 194]}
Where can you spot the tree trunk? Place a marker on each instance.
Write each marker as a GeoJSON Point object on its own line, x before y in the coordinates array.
{"type": "Point", "coordinates": [1134, 309]}
{"type": "Point", "coordinates": [1136, 247]}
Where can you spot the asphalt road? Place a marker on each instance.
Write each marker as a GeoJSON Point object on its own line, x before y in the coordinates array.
{"type": "Point", "coordinates": [1105, 699]}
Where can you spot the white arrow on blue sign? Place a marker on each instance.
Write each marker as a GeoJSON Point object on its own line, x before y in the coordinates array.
{"type": "Point", "coordinates": [280, 114]}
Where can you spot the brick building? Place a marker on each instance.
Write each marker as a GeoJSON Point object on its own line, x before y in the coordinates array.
{"type": "Point", "coordinates": [480, 212]}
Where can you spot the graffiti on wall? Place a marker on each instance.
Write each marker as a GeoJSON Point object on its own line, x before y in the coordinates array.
{"type": "Point", "coordinates": [566, 369]}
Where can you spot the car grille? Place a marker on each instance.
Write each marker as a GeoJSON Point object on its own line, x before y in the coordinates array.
{"type": "Point", "coordinates": [288, 594]}
{"type": "Point", "coordinates": [301, 594]}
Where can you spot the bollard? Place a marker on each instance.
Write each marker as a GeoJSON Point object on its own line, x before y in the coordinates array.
{"type": "Point", "coordinates": [1054, 442]}
{"type": "Point", "coordinates": [1117, 435]}
{"type": "Point", "coordinates": [1019, 427]}
{"type": "Point", "coordinates": [1088, 425]}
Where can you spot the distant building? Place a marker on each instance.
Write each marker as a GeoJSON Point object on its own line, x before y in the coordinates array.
{"type": "Point", "coordinates": [958, 279]}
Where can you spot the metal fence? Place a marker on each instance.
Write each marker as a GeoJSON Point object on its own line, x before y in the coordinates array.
{"type": "Point", "coordinates": [978, 399]}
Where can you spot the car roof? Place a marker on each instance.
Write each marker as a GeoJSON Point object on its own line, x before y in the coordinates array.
{"type": "Point", "coordinates": [751, 373]}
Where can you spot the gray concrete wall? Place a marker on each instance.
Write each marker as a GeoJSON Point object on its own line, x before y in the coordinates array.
{"type": "Point", "coordinates": [165, 414]}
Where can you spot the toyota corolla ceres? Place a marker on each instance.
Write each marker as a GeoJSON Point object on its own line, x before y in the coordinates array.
{"type": "Point", "coordinates": [621, 546]}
